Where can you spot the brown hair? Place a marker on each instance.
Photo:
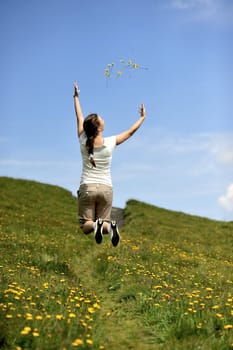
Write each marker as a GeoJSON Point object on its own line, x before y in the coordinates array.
{"type": "Point", "coordinates": [90, 126]}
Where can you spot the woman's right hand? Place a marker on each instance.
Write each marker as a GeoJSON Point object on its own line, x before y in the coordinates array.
{"type": "Point", "coordinates": [76, 89]}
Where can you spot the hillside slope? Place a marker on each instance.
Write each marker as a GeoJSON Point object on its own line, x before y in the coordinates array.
{"type": "Point", "coordinates": [168, 285]}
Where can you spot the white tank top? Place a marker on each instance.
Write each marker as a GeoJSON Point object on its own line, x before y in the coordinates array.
{"type": "Point", "coordinates": [102, 156]}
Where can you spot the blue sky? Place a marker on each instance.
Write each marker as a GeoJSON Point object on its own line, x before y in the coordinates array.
{"type": "Point", "coordinates": [182, 157]}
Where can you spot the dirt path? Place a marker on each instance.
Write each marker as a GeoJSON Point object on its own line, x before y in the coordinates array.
{"type": "Point", "coordinates": [118, 215]}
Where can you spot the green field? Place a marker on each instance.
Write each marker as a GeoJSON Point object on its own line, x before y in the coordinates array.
{"type": "Point", "coordinates": [168, 285]}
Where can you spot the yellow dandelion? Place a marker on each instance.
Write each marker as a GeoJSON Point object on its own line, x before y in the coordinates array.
{"type": "Point", "coordinates": [39, 318]}
{"type": "Point", "coordinates": [26, 330]}
{"type": "Point", "coordinates": [9, 316]}
{"type": "Point", "coordinates": [91, 310]}
{"type": "Point", "coordinates": [96, 306]}
{"type": "Point", "coordinates": [199, 325]}
{"type": "Point", "coordinates": [35, 333]}
{"type": "Point", "coordinates": [228, 326]}
{"type": "Point", "coordinates": [215, 307]}
{"type": "Point", "coordinates": [59, 317]}
{"type": "Point", "coordinates": [77, 342]}
{"type": "Point", "coordinates": [72, 315]}
{"type": "Point", "coordinates": [29, 316]}
{"type": "Point", "coordinates": [89, 341]}
{"type": "Point", "coordinates": [87, 301]}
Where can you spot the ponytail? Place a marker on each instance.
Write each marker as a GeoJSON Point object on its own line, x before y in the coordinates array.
{"type": "Point", "coordinates": [90, 125]}
{"type": "Point", "coordinates": [92, 160]}
{"type": "Point", "coordinates": [90, 150]}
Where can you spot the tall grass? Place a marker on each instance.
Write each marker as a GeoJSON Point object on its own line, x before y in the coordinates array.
{"type": "Point", "coordinates": [168, 285]}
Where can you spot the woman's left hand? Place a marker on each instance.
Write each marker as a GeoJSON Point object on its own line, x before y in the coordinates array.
{"type": "Point", "coordinates": [142, 110]}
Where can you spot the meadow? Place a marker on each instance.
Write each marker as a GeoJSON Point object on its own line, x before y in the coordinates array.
{"type": "Point", "coordinates": [168, 285]}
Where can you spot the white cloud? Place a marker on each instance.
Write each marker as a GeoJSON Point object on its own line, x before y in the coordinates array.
{"type": "Point", "coordinates": [189, 4]}
{"type": "Point", "coordinates": [226, 201]}
{"type": "Point", "coordinates": [217, 146]}
{"type": "Point", "coordinates": [220, 10]}
{"type": "Point", "coordinates": [224, 156]}
{"type": "Point", "coordinates": [221, 147]}
{"type": "Point", "coordinates": [160, 163]}
{"type": "Point", "coordinates": [203, 159]}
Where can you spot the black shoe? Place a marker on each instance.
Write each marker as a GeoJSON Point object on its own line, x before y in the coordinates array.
{"type": "Point", "coordinates": [115, 236]}
{"type": "Point", "coordinates": [98, 231]}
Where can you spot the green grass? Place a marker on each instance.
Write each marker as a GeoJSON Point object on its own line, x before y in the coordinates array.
{"type": "Point", "coordinates": [168, 285]}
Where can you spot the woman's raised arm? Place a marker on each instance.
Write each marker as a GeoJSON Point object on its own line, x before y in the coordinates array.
{"type": "Point", "coordinates": [78, 110]}
{"type": "Point", "coordinates": [125, 135]}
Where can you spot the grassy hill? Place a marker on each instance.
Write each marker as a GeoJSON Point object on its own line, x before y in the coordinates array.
{"type": "Point", "coordinates": [168, 285]}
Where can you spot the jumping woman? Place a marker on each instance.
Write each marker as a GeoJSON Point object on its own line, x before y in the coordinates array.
{"type": "Point", "coordinates": [95, 192]}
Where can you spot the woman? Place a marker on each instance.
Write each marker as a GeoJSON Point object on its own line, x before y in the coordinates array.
{"type": "Point", "coordinates": [95, 191]}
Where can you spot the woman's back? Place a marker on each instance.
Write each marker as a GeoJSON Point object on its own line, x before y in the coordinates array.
{"type": "Point", "coordinates": [103, 157]}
